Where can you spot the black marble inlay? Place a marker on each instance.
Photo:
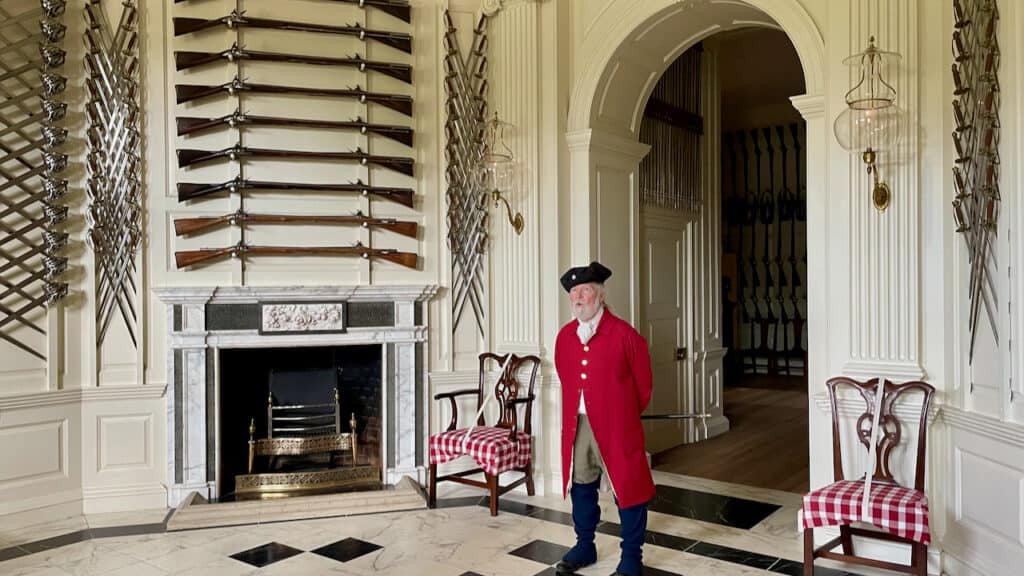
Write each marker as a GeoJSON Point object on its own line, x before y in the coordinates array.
{"type": "Point", "coordinates": [266, 554]}
{"type": "Point", "coordinates": [549, 571]}
{"type": "Point", "coordinates": [707, 507]}
{"type": "Point", "coordinates": [793, 568]}
{"type": "Point", "coordinates": [669, 541]}
{"type": "Point", "coordinates": [734, 555]}
{"type": "Point", "coordinates": [541, 551]}
{"type": "Point", "coordinates": [347, 549]}
{"type": "Point", "coordinates": [470, 574]}
{"type": "Point", "coordinates": [57, 541]}
{"type": "Point", "coordinates": [531, 511]}
{"type": "Point", "coordinates": [233, 317]}
{"type": "Point", "coordinates": [369, 314]}
{"type": "Point", "coordinates": [12, 553]}
{"type": "Point", "coordinates": [132, 530]}
{"type": "Point", "coordinates": [463, 501]}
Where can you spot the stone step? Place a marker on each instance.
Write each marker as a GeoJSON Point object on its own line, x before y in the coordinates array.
{"type": "Point", "coordinates": [196, 512]}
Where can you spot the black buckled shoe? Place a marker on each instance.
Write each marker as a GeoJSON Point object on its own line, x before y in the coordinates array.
{"type": "Point", "coordinates": [567, 567]}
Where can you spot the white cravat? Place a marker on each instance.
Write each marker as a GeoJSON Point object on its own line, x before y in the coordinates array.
{"type": "Point", "coordinates": [586, 331]}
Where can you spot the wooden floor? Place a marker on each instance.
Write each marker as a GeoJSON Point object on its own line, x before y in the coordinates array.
{"type": "Point", "coordinates": [766, 445]}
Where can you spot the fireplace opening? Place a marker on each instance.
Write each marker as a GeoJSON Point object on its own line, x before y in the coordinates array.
{"type": "Point", "coordinates": [286, 419]}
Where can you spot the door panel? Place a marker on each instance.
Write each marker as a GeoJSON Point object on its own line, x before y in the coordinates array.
{"type": "Point", "coordinates": [664, 324]}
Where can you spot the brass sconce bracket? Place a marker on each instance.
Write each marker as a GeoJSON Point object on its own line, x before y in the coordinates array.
{"type": "Point", "coordinates": [515, 220]}
{"type": "Point", "coordinates": [880, 195]}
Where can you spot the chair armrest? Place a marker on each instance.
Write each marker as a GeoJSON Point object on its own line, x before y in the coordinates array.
{"type": "Point", "coordinates": [523, 400]}
{"type": "Point", "coordinates": [455, 393]}
{"type": "Point", "coordinates": [515, 415]}
{"type": "Point", "coordinates": [455, 407]}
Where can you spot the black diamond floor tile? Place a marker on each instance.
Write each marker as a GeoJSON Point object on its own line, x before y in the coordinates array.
{"type": "Point", "coordinates": [347, 549]}
{"type": "Point", "coordinates": [541, 551]}
{"type": "Point", "coordinates": [470, 574]}
{"type": "Point", "coordinates": [261, 556]}
{"type": "Point", "coordinates": [707, 507]}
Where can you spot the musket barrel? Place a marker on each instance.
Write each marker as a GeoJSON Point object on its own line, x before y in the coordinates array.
{"type": "Point", "coordinates": [190, 191]}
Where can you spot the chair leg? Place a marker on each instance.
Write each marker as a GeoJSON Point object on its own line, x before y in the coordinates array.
{"type": "Point", "coordinates": [492, 486]}
{"type": "Point", "coordinates": [808, 552]}
{"type": "Point", "coordinates": [432, 489]}
{"type": "Point", "coordinates": [529, 480]}
{"type": "Point", "coordinates": [846, 538]}
{"type": "Point", "coordinates": [920, 561]}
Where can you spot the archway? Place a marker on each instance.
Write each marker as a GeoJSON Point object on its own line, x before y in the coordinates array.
{"type": "Point", "coordinates": [626, 48]}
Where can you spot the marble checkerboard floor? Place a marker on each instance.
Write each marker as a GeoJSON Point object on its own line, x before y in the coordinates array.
{"type": "Point", "coordinates": [696, 528]}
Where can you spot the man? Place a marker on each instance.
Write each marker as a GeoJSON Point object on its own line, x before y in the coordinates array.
{"type": "Point", "coordinates": [605, 371]}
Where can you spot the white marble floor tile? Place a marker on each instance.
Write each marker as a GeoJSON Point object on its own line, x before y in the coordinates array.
{"type": "Point", "coordinates": [140, 569]}
{"type": "Point", "coordinates": [216, 567]}
{"type": "Point", "coordinates": [21, 534]}
{"type": "Point", "coordinates": [87, 558]}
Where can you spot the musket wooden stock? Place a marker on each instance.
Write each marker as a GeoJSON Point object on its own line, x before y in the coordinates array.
{"type": "Point", "coordinates": [397, 102]}
{"type": "Point", "coordinates": [190, 157]}
{"type": "Point", "coordinates": [184, 60]}
{"type": "Point", "coordinates": [400, 10]}
{"type": "Point", "coordinates": [189, 191]}
{"type": "Point", "coordinates": [190, 125]}
{"type": "Point", "coordinates": [398, 40]}
{"type": "Point", "coordinates": [186, 226]}
{"type": "Point", "coordinates": [186, 258]}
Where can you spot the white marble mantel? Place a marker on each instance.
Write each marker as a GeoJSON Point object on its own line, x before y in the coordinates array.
{"type": "Point", "coordinates": [194, 340]}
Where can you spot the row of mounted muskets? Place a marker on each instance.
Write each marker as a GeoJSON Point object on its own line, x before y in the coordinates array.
{"type": "Point", "coordinates": [976, 139]}
{"type": "Point", "coordinates": [237, 53]}
{"type": "Point", "coordinates": [765, 213]}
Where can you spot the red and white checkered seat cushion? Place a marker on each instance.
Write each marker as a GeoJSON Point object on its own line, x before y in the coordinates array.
{"type": "Point", "coordinates": [895, 509]}
{"type": "Point", "coordinates": [489, 446]}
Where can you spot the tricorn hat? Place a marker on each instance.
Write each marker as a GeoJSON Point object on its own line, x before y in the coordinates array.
{"type": "Point", "coordinates": [594, 272]}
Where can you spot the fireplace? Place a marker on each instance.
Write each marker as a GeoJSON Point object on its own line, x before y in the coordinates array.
{"type": "Point", "coordinates": [221, 341]}
{"type": "Point", "coordinates": [294, 421]}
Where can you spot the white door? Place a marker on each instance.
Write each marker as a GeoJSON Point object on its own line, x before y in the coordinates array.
{"type": "Point", "coordinates": [664, 320]}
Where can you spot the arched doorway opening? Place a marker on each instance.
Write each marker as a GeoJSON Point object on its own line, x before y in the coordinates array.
{"type": "Point", "coordinates": [756, 167]}
{"type": "Point", "coordinates": [627, 49]}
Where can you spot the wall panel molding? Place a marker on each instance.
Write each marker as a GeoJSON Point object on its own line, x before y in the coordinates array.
{"type": "Point", "coordinates": [884, 247]}
{"type": "Point", "coordinates": [78, 395]}
{"type": "Point", "coordinates": [1003, 432]}
{"type": "Point", "coordinates": [124, 442]}
{"type": "Point", "coordinates": [38, 450]}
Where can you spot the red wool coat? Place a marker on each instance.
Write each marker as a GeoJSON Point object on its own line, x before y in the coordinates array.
{"type": "Point", "coordinates": [614, 373]}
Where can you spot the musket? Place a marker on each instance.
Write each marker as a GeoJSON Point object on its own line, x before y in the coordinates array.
{"type": "Point", "coordinates": [191, 125]}
{"type": "Point", "coordinates": [184, 60]}
{"type": "Point", "coordinates": [397, 102]}
{"type": "Point", "coordinates": [190, 157]}
{"type": "Point", "coordinates": [187, 226]}
{"type": "Point", "coordinates": [399, 10]}
{"type": "Point", "coordinates": [186, 258]}
{"type": "Point", "coordinates": [189, 191]}
{"type": "Point", "coordinates": [398, 40]}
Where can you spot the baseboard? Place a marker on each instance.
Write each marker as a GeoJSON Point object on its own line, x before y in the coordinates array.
{"type": "Point", "coordinates": [954, 566]}
{"type": "Point", "coordinates": [40, 509]}
{"type": "Point", "coordinates": [717, 426]}
{"type": "Point", "coordinates": [882, 550]}
{"type": "Point", "coordinates": [103, 499]}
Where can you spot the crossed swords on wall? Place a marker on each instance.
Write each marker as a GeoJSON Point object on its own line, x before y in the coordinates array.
{"type": "Point", "coordinates": [976, 138]}
{"type": "Point", "coordinates": [466, 90]}
{"type": "Point", "coordinates": [31, 214]}
{"type": "Point", "coordinates": [112, 164]}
